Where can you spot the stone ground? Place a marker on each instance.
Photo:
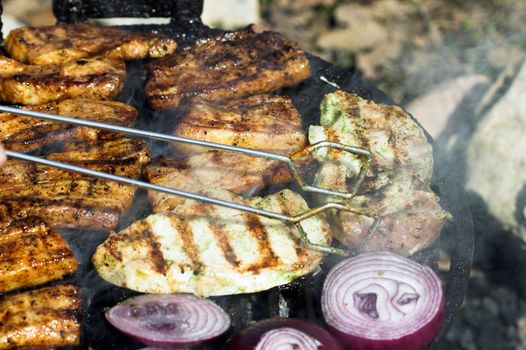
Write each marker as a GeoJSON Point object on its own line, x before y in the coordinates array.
{"type": "Point", "coordinates": [427, 55]}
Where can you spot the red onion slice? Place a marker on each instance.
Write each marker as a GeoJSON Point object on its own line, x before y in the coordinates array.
{"type": "Point", "coordinates": [283, 334]}
{"type": "Point", "coordinates": [382, 300]}
{"type": "Point", "coordinates": [172, 320]}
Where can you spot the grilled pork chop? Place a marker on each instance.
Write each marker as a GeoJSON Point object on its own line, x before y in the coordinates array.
{"type": "Point", "coordinates": [396, 186]}
{"type": "Point", "coordinates": [92, 78]}
{"type": "Point", "coordinates": [261, 122]}
{"type": "Point", "coordinates": [63, 199]}
{"type": "Point", "coordinates": [20, 133]}
{"type": "Point", "coordinates": [238, 173]}
{"type": "Point", "coordinates": [66, 43]}
{"type": "Point", "coordinates": [43, 318]}
{"type": "Point", "coordinates": [32, 253]}
{"type": "Point", "coordinates": [222, 252]}
{"type": "Point", "coordinates": [228, 66]}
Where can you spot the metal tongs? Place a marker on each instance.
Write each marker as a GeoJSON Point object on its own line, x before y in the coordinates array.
{"type": "Point", "coordinates": [289, 160]}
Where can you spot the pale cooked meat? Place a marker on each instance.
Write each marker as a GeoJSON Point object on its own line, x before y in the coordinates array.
{"type": "Point", "coordinates": [223, 252]}
{"type": "Point", "coordinates": [396, 141]}
{"type": "Point", "coordinates": [228, 66]}
{"type": "Point", "coordinates": [262, 122]}
{"type": "Point", "coordinates": [92, 78]}
{"type": "Point", "coordinates": [63, 199]}
{"type": "Point", "coordinates": [396, 186]}
{"type": "Point", "coordinates": [21, 133]}
{"type": "Point", "coordinates": [410, 212]}
{"type": "Point", "coordinates": [238, 173]}
{"type": "Point", "coordinates": [69, 42]}
{"type": "Point", "coordinates": [31, 253]}
{"type": "Point", "coordinates": [44, 318]}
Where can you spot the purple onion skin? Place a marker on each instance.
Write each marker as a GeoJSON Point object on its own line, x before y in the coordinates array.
{"type": "Point", "coordinates": [415, 341]}
{"type": "Point", "coordinates": [249, 338]}
{"type": "Point", "coordinates": [171, 343]}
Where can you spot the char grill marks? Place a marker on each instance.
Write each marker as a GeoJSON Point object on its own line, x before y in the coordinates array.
{"type": "Point", "coordinates": [44, 318]}
{"type": "Point", "coordinates": [228, 66]}
{"type": "Point", "coordinates": [66, 43]}
{"type": "Point", "coordinates": [93, 78]}
{"type": "Point", "coordinates": [64, 199]}
{"type": "Point", "coordinates": [20, 133]}
{"type": "Point", "coordinates": [31, 253]}
{"type": "Point", "coordinates": [263, 122]}
{"type": "Point", "coordinates": [238, 173]}
{"type": "Point", "coordinates": [222, 252]}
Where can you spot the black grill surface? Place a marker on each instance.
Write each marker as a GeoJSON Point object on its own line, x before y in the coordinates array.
{"type": "Point", "coordinates": [300, 298]}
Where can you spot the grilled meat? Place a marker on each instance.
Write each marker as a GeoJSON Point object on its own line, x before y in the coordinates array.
{"type": "Point", "coordinates": [119, 156]}
{"type": "Point", "coordinates": [219, 253]}
{"type": "Point", "coordinates": [20, 133]}
{"type": "Point", "coordinates": [66, 43]}
{"type": "Point", "coordinates": [31, 253]}
{"type": "Point", "coordinates": [396, 186]}
{"type": "Point", "coordinates": [238, 173]}
{"type": "Point", "coordinates": [92, 78]}
{"type": "Point", "coordinates": [63, 199]}
{"type": "Point", "coordinates": [44, 318]}
{"type": "Point", "coordinates": [410, 214]}
{"type": "Point", "coordinates": [261, 122]}
{"type": "Point", "coordinates": [228, 66]}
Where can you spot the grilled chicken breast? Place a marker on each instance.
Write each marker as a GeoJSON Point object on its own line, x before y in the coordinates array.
{"type": "Point", "coordinates": [69, 42]}
{"type": "Point", "coordinates": [63, 199]}
{"type": "Point", "coordinates": [237, 173]}
{"type": "Point", "coordinates": [92, 78]}
{"type": "Point", "coordinates": [221, 252]}
{"type": "Point", "coordinates": [263, 122]}
{"type": "Point", "coordinates": [228, 66]}
{"type": "Point", "coordinates": [43, 318]}
{"type": "Point", "coordinates": [20, 133]}
{"type": "Point", "coordinates": [31, 253]}
{"type": "Point", "coordinates": [396, 187]}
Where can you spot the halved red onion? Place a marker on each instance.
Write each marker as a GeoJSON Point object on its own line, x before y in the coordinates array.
{"type": "Point", "coordinates": [169, 320]}
{"type": "Point", "coordinates": [381, 300]}
{"type": "Point", "coordinates": [283, 334]}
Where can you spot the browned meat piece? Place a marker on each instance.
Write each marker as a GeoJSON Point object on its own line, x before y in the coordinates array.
{"type": "Point", "coordinates": [31, 253]}
{"type": "Point", "coordinates": [63, 199]}
{"type": "Point", "coordinates": [119, 156]}
{"type": "Point", "coordinates": [84, 204]}
{"type": "Point", "coordinates": [92, 78]}
{"type": "Point", "coordinates": [20, 133]}
{"type": "Point", "coordinates": [238, 173]}
{"type": "Point", "coordinates": [261, 122]}
{"type": "Point", "coordinates": [44, 318]}
{"type": "Point", "coordinates": [228, 66]}
{"type": "Point", "coordinates": [66, 43]}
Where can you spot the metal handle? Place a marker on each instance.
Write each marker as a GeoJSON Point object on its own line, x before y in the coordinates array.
{"type": "Point", "coordinates": [172, 138]}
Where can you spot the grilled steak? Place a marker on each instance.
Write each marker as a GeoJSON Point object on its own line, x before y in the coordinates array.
{"type": "Point", "coordinates": [66, 43]}
{"type": "Point", "coordinates": [396, 186]}
{"type": "Point", "coordinates": [222, 252]}
{"type": "Point", "coordinates": [20, 133]}
{"type": "Point", "coordinates": [93, 78]}
{"type": "Point", "coordinates": [44, 318]}
{"type": "Point", "coordinates": [238, 173]}
{"type": "Point", "coordinates": [261, 122]}
{"type": "Point", "coordinates": [32, 253]}
{"type": "Point", "coordinates": [63, 199]}
{"type": "Point", "coordinates": [228, 66]}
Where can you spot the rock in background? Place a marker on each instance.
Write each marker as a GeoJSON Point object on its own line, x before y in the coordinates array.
{"type": "Point", "coordinates": [496, 154]}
